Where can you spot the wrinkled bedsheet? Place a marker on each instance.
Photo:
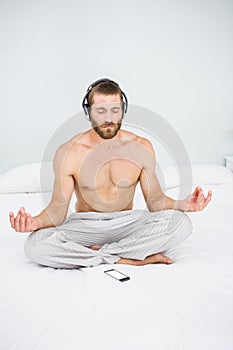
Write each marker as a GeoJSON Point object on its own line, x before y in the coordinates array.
{"type": "Point", "coordinates": [184, 306]}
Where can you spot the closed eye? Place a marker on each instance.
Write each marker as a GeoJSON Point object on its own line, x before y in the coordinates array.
{"type": "Point", "coordinates": [100, 110]}
{"type": "Point", "coordinates": [116, 110]}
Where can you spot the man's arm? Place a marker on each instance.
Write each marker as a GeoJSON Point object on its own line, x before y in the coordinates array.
{"type": "Point", "coordinates": [156, 200]}
{"type": "Point", "coordinates": [56, 211]}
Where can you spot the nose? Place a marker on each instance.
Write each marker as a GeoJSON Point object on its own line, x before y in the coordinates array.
{"type": "Point", "coordinates": [108, 117]}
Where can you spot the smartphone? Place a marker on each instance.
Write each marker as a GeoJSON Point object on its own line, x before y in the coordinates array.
{"type": "Point", "coordinates": [117, 275]}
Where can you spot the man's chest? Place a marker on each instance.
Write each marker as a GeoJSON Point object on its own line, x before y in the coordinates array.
{"type": "Point", "coordinates": [94, 175]}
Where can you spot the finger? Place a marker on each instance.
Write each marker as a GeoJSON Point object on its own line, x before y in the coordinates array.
{"type": "Point", "coordinates": [12, 219]}
{"type": "Point", "coordinates": [201, 198]}
{"type": "Point", "coordinates": [208, 199]}
{"type": "Point", "coordinates": [198, 203]}
{"type": "Point", "coordinates": [22, 222]}
{"type": "Point", "coordinates": [17, 220]}
{"type": "Point", "coordinates": [202, 201]}
{"type": "Point", "coordinates": [21, 210]}
{"type": "Point", "coordinates": [196, 191]}
{"type": "Point", "coordinates": [28, 222]}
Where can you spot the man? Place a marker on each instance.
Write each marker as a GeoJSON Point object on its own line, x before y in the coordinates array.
{"type": "Point", "coordinates": [103, 166]}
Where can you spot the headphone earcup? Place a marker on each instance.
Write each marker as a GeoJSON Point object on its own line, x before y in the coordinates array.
{"type": "Point", "coordinates": [123, 109]}
{"type": "Point", "coordinates": [86, 110]}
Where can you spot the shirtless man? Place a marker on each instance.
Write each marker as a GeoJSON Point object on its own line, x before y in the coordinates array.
{"type": "Point", "coordinates": [103, 166]}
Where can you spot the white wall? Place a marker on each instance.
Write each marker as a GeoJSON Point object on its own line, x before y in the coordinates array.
{"type": "Point", "coordinates": [173, 57]}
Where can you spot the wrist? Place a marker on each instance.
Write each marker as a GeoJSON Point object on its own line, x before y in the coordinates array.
{"type": "Point", "coordinates": [39, 222]}
{"type": "Point", "coordinates": [44, 220]}
{"type": "Point", "coordinates": [178, 205]}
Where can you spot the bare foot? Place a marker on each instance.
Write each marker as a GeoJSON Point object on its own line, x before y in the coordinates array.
{"type": "Point", "coordinates": [158, 258]}
{"type": "Point", "coordinates": [94, 247]}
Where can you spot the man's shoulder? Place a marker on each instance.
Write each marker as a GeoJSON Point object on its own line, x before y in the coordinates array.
{"type": "Point", "coordinates": [137, 138]}
{"type": "Point", "coordinates": [76, 143]}
{"type": "Point", "coordinates": [72, 151]}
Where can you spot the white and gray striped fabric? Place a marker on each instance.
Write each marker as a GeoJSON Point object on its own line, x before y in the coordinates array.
{"type": "Point", "coordinates": [131, 234]}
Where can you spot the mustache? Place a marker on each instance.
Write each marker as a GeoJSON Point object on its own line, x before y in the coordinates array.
{"type": "Point", "coordinates": [108, 124]}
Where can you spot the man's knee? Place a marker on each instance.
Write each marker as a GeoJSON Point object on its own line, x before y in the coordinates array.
{"type": "Point", "coordinates": [34, 245]}
{"type": "Point", "coordinates": [172, 221]}
{"type": "Point", "coordinates": [183, 222]}
{"type": "Point", "coordinates": [30, 246]}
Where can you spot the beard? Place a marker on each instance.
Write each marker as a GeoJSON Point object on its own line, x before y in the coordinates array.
{"type": "Point", "coordinates": [107, 133]}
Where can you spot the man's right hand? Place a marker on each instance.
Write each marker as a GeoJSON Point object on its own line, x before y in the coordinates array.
{"type": "Point", "coordinates": [23, 222]}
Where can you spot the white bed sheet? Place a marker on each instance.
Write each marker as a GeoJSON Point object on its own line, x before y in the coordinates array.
{"type": "Point", "coordinates": [184, 306]}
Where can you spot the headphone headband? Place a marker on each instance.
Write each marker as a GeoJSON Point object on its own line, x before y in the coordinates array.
{"type": "Point", "coordinates": [85, 104]}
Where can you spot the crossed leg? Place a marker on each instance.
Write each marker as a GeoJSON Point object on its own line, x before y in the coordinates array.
{"type": "Point", "coordinates": [148, 237]}
{"type": "Point", "coordinates": [157, 258]}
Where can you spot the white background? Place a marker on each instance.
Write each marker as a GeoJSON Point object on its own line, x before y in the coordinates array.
{"type": "Point", "coordinates": [173, 57]}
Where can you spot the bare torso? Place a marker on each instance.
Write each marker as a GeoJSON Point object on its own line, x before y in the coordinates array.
{"type": "Point", "coordinates": [105, 173]}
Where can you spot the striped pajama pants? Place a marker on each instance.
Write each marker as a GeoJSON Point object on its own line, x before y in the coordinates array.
{"type": "Point", "coordinates": [131, 234]}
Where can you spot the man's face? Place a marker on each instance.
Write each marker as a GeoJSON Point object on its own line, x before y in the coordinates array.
{"type": "Point", "coordinates": [106, 114]}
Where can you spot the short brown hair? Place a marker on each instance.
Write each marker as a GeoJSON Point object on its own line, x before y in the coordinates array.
{"type": "Point", "coordinates": [106, 88]}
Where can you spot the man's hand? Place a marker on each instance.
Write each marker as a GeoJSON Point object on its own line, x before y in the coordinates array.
{"type": "Point", "coordinates": [195, 202]}
{"type": "Point", "coordinates": [23, 222]}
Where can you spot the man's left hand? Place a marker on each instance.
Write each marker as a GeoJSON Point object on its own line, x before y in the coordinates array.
{"type": "Point", "coordinates": [195, 202]}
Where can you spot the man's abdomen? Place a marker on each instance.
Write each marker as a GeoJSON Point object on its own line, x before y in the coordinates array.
{"type": "Point", "coordinates": [107, 199]}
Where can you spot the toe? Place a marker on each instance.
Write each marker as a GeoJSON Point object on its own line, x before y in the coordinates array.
{"type": "Point", "coordinates": [94, 247]}
{"type": "Point", "coordinates": [168, 260]}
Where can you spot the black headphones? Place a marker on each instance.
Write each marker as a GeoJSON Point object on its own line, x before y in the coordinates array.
{"type": "Point", "coordinates": [85, 104]}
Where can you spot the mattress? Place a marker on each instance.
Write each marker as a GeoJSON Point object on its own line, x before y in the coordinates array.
{"type": "Point", "coordinates": [184, 306]}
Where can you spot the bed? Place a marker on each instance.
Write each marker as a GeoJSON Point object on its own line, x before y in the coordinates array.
{"type": "Point", "coordinates": [184, 306]}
